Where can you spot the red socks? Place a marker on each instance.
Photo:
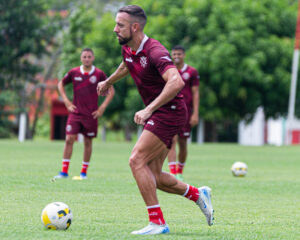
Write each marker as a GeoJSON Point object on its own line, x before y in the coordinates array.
{"type": "Point", "coordinates": [176, 169]}
{"type": "Point", "coordinates": [85, 166]}
{"type": "Point", "coordinates": [156, 215]}
{"type": "Point", "coordinates": [191, 193]}
{"type": "Point", "coordinates": [172, 167]}
{"type": "Point", "coordinates": [180, 167]}
{"type": "Point", "coordinates": [65, 165]}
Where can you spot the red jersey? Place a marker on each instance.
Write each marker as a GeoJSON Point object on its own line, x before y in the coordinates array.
{"type": "Point", "coordinates": [146, 66]}
{"type": "Point", "coordinates": [85, 96]}
{"type": "Point", "coordinates": [191, 78]}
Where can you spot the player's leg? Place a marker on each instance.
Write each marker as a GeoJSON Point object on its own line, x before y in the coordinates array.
{"type": "Point", "coordinates": [147, 149]}
{"type": "Point", "coordinates": [182, 155]}
{"type": "Point", "coordinates": [88, 145]}
{"type": "Point", "coordinates": [172, 156]}
{"type": "Point", "coordinates": [68, 149]}
{"type": "Point", "coordinates": [168, 183]}
{"type": "Point", "coordinates": [89, 128]}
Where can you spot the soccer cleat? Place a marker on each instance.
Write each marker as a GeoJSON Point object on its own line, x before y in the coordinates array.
{"type": "Point", "coordinates": [204, 203]}
{"type": "Point", "coordinates": [152, 229]}
{"type": "Point", "coordinates": [179, 177]}
{"type": "Point", "coordinates": [60, 175]}
{"type": "Point", "coordinates": [81, 177]}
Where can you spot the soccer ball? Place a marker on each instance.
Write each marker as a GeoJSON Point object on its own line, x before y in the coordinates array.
{"type": "Point", "coordinates": [239, 169]}
{"type": "Point", "coordinates": [57, 215]}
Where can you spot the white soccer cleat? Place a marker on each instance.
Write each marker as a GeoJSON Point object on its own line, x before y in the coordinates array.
{"type": "Point", "coordinates": [59, 176]}
{"type": "Point", "coordinates": [152, 229]}
{"type": "Point", "coordinates": [204, 203]}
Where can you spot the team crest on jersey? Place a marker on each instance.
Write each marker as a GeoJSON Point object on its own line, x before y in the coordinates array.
{"type": "Point", "coordinates": [68, 128]}
{"type": "Point", "coordinates": [93, 79]}
{"type": "Point", "coordinates": [186, 76]}
{"type": "Point", "coordinates": [143, 61]}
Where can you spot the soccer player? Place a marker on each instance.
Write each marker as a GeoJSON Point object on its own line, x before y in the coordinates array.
{"type": "Point", "coordinates": [190, 94]}
{"type": "Point", "coordinates": [158, 82]}
{"type": "Point", "coordinates": [83, 111]}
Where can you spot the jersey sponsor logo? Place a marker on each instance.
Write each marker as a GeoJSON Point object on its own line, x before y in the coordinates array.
{"type": "Point", "coordinates": [173, 107]}
{"type": "Point", "coordinates": [143, 61]}
{"type": "Point", "coordinates": [128, 59]}
{"type": "Point", "coordinates": [167, 58]}
{"type": "Point", "coordinates": [186, 76]}
{"type": "Point", "coordinates": [90, 134]}
{"type": "Point", "coordinates": [78, 78]}
{"type": "Point", "coordinates": [186, 134]}
{"type": "Point", "coordinates": [150, 122]}
{"type": "Point", "coordinates": [68, 128]}
{"type": "Point", "coordinates": [93, 79]}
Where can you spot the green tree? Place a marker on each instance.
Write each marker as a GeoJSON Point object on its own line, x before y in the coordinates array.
{"type": "Point", "coordinates": [242, 50]}
{"type": "Point", "coordinates": [26, 32]}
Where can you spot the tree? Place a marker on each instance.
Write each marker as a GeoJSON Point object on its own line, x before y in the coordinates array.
{"type": "Point", "coordinates": [26, 32]}
{"type": "Point", "coordinates": [242, 50]}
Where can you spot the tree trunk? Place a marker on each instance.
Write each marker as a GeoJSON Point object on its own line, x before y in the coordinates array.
{"type": "Point", "coordinates": [43, 88]}
{"type": "Point", "coordinates": [211, 132]}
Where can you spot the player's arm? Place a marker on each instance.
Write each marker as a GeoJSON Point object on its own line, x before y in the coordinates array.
{"type": "Point", "coordinates": [195, 116]}
{"type": "Point", "coordinates": [174, 84]}
{"type": "Point", "coordinates": [69, 105]}
{"type": "Point", "coordinates": [122, 71]}
{"type": "Point", "coordinates": [103, 106]}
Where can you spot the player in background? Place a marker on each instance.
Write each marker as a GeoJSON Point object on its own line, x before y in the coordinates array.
{"type": "Point", "coordinates": [83, 111]}
{"type": "Point", "coordinates": [190, 94]}
{"type": "Point", "coordinates": [158, 82]}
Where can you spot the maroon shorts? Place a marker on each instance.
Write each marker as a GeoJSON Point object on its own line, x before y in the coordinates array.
{"type": "Point", "coordinates": [88, 126]}
{"type": "Point", "coordinates": [166, 122]}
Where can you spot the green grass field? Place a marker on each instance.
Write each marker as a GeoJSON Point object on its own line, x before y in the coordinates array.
{"type": "Point", "coordinates": [263, 205]}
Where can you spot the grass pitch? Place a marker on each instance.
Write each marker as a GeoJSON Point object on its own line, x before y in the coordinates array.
{"type": "Point", "coordinates": [263, 205]}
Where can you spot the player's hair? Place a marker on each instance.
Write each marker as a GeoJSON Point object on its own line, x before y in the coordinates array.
{"type": "Point", "coordinates": [87, 50]}
{"type": "Point", "coordinates": [179, 47]}
{"type": "Point", "coordinates": [136, 12]}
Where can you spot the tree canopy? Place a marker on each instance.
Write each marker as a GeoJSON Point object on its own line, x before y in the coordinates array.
{"type": "Point", "coordinates": [242, 49]}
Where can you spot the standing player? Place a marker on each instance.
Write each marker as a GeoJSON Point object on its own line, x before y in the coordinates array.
{"type": "Point", "coordinates": [190, 94]}
{"type": "Point", "coordinates": [158, 83]}
{"type": "Point", "coordinates": [84, 110]}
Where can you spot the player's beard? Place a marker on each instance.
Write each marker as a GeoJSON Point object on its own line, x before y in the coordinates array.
{"type": "Point", "coordinates": [123, 41]}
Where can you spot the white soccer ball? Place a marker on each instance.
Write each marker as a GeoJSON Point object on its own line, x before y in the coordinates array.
{"type": "Point", "coordinates": [239, 169]}
{"type": "Point", "coordinates": [57, 215]}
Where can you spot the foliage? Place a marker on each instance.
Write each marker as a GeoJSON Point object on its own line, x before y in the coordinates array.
{"type": "Point", "coordinates": [242, 49]}
{"type": "Point", "coordinates": [26, 32]}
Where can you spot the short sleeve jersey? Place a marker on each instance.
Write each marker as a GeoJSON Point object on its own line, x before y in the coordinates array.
{"type": "Point", "coordinates": [85, 96]}
{"type": "Point", "coordinates": [191, 78]}
{"type": "Point", "coordinates": [146, 66]}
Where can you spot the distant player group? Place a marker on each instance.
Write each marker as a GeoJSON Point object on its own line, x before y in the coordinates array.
{"type": "Point", "coordinates": [171, 97]}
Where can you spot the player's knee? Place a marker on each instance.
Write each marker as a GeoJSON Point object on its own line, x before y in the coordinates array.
{"type": "Point", "coordinates": [135, 161]}
{"type": "Point", "coordinates": [70, 140]}
{"type": "Point", "coordinates": [87, 143]}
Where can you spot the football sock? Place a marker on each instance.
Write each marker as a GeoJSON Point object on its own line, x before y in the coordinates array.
{"type": "Point", "coordinates": [191, 193]}
{"type": "Point", "coordinates": [172, 167]}
{"type": "Point", "coordinates": [85, 166]}
{"type": "Point", "coordinates": [65, 165]}
{"type": "Point", "coordinates": [155, 214]}
{"type": "Point", "coordinates": [180, 167]}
